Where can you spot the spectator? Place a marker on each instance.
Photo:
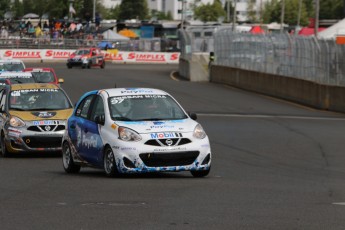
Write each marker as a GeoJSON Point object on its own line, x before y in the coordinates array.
{"type": "Point", "coordinates": [4, 32]}
{"type": "Point", "coordinates": [79, 26]}
{"type": "Point", "coordinates": [46, 26]}
{"type": "Point", "coordinates": [31, 30]}
{"type": "Point", "coordinates": [38, 31]}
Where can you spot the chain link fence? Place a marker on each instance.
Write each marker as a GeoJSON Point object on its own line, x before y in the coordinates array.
{"type": "Point", "coordinates": [304, 57]}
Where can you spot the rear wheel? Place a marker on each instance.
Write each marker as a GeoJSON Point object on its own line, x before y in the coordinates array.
{"type": "Point", "coordinates": [4, 151]}
{"type": "Point", "coordinates": [200, 173]}
{"type": "Point", "coordinates": [67, 159]}
{"type": "Point", "coordinates": [110, 167]}
{"type": "Point", "coordinates": [89, 65]}
{"type": "Point", "coordinates": [69, 66]}
{"type": "Point", "coordinates": [103, 64]}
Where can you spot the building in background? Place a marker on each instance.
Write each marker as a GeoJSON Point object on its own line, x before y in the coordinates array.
{"type": "Point", "coordinates": [175, 7]}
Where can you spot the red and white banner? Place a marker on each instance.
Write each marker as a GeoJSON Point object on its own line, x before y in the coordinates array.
{"type": "Point", "coordinates": [114, 56]}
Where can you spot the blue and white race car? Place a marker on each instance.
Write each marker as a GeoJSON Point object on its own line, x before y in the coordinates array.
{"type": "Point", "coordinates": [134, 130]}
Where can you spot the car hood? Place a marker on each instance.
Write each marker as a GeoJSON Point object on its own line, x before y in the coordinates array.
{"type": "Point", "coordinates": [185, 125]}
{"type": "Point", "coordinates": [43, 115]}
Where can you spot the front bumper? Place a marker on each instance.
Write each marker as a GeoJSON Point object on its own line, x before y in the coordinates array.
{"type": "Point", "coordinates": [189, 157]}
{"type": "Point", "coordinates": [24, 140]}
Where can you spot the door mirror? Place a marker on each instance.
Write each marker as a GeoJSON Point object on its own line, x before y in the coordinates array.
{"type": "Point", "coordinates": [100, 119]}
{"type": "Point", "coordinates": [193, 116]}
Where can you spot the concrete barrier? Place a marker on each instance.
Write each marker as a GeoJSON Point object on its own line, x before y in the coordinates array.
{"type": "Point", "coordinates": [293, 89]}
{"type": "Point", "coordinates": [195, 69]}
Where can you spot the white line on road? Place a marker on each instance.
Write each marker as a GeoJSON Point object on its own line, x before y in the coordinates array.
{"type": "Point", "coordinates": [339, 203]}
{"type": "Point", "coordinates": [271, 116]}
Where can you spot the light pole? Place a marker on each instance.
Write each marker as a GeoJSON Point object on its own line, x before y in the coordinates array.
{"type": "Point", "coordinates": [94, 11]}
{"type": "Point", "coordinates": [234, 16]}
{"type": "Point", "coordinates": [71, 9]}
{"type": "Point", "coordinates": [282, 17]}
{"type": "Point", "coordinates": [317, 9]}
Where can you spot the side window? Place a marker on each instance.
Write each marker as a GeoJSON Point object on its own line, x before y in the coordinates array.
{"type": "Point", "coordinates": [83, 108]}
{"type": "Point", "coordinates": [2, 100]}
{"type": "Point", "coordinates": [98, 108]}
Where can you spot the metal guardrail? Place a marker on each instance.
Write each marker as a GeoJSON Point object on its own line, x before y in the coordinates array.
{"type": "Point", "coordinates": [144, 45]}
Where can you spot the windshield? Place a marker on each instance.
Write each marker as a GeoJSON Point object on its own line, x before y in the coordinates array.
{"type": "Point", "coordinates": [145, 108]}
{"type": "Point", "coordinates": [11, 67]}
{"type": "Point", "coordinates": [43, 77]}
{"type": "Point", "coordinates": [82, 52]}
{"type": "Point", "coordinates": [38, 99]}
{"type": "Point", "coordinates": [16, 80]}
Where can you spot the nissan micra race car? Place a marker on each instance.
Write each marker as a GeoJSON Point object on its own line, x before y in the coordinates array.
{"type": "Point", "coordinates": [134, 130]}
{"type": "Point", "coordinates": [32, 118]}
{"type": "Point", "coordinates": [86, 58]}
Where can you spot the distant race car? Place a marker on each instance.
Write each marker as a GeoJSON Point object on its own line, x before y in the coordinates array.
{"type": "Point", "coordinates": [134, 130]}
{"type": "Point", "coordinates": [44, 75]}
{"type": "Point", "coordinates": [33, 118]}
{"type": "Point", "coordinates": [8, 78]}
{"type": "Point", "coordinates": [11, 65]}
{"type": "Point", "coordinates": [86, 58]}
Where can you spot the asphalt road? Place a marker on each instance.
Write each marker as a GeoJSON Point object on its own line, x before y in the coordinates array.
{"type": "Point", "coordinates": [276, 165]}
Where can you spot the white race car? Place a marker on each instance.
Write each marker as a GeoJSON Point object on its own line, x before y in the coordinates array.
{"type": "Point", "coordinates": [134, 130]}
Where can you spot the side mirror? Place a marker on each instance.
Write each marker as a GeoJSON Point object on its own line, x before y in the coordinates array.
{"type": "Point", "coordinates": [100, 119]}
{"type": "Point", "coordinates": [193, 116]}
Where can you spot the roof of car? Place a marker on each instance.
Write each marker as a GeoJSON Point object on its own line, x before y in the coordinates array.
{"type": "Point", "coordinates": [133, 91]}
{"type": "Point", "coordinates": [34, 86]}
{"type": "Point", "coordinates": [10, 61]}
{"type": "Point", "coordinates": [6, 75]}
{"type": "Point", "coordinates": [39, 69]}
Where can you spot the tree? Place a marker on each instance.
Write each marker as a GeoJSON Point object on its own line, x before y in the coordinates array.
{"type": "Point", "coordinates": [133, 9]}
{"type": "Point", "coordinates": [251, 12]}
{"type": "Point", "coordinates": [209, 12]}
{"type": "Point", "coordinates": [272, 12]}
{"type": "Point", "coordinates": [331, 9]}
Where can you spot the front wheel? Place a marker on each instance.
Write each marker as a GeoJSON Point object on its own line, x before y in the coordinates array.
{"type": "Point", "coordinates": [110, 167]}
{"type": "Point", "coordinates": [103, 64]}
{"type": "Point", "coordinates": [4, 151]}
{"type": "Point", "coordinates": [200, 173]}
{"type": "Point", "coordinates": [67, 159]}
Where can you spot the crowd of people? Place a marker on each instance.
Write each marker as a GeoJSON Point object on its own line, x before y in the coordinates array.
{"type": "Point", "coordinates": [54, 31]}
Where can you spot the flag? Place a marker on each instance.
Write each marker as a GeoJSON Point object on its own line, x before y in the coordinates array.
{"type": "Point", "coordinates": [71, 9]}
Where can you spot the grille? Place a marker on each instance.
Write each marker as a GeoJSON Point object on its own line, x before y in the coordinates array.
{"type": "Point", "coordinates": [42, 128]}
{"type": "Point", "coordinates": [169, 158]}
{"type": "Point", "coordinates": [42, 142]}
{"type": "Point", "coordinates": [163, 142]}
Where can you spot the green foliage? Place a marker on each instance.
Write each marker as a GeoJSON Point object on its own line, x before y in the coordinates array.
{"type": "Point", "coordinates": [133, 9]}
{"type": "Point", "coordinates": [209, 12]}
{"type": "Point", "coordinates": [329, 9]}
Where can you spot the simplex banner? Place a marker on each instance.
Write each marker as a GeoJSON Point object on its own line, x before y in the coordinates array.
{"type": "Point", "coordinates": [110, 55]}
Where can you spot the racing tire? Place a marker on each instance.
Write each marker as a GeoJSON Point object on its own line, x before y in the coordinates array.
{"type": "Point", "coordinates": [69, 66]}
{"type": "Point", "coordinates": [103, 64]}
{"type": "Point", "coordinates": [83, 66]}
{"type": "Point", "coordinates": [200, 173]}
{"type": "Point", "coordinates": [110, 167]}
{"type": "Point", "coordinates": [88, 65]}
{"type": "Point", "coordinates": [67, 159]}
{"type": "Point", "coordinates": [4, 151]}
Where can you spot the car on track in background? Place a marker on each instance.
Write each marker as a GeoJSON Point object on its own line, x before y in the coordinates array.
{"type": "Point", "coordinates": [86, 58]}
{"type": "Point", "coordinates": [44, 75]}
{"type": "Point", "coordinates": [134, 130]}
{"type": "Point", "coordinates": [8, 78]}
{"type": "Point", "coordinates": [11, 65]}
{"type": "Point", "coordinates": [32, 118]}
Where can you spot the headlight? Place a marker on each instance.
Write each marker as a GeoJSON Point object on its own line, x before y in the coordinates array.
{"type": "Point", "coordinates": [16, 122]}
{"type": "Point", "coordinates": [199, 132]}
{"type": "Point", "coordinates": [127, 134]}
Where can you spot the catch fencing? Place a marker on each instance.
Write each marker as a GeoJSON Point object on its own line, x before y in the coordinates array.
{"type": "Point", "coordinates": [303, 57]}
